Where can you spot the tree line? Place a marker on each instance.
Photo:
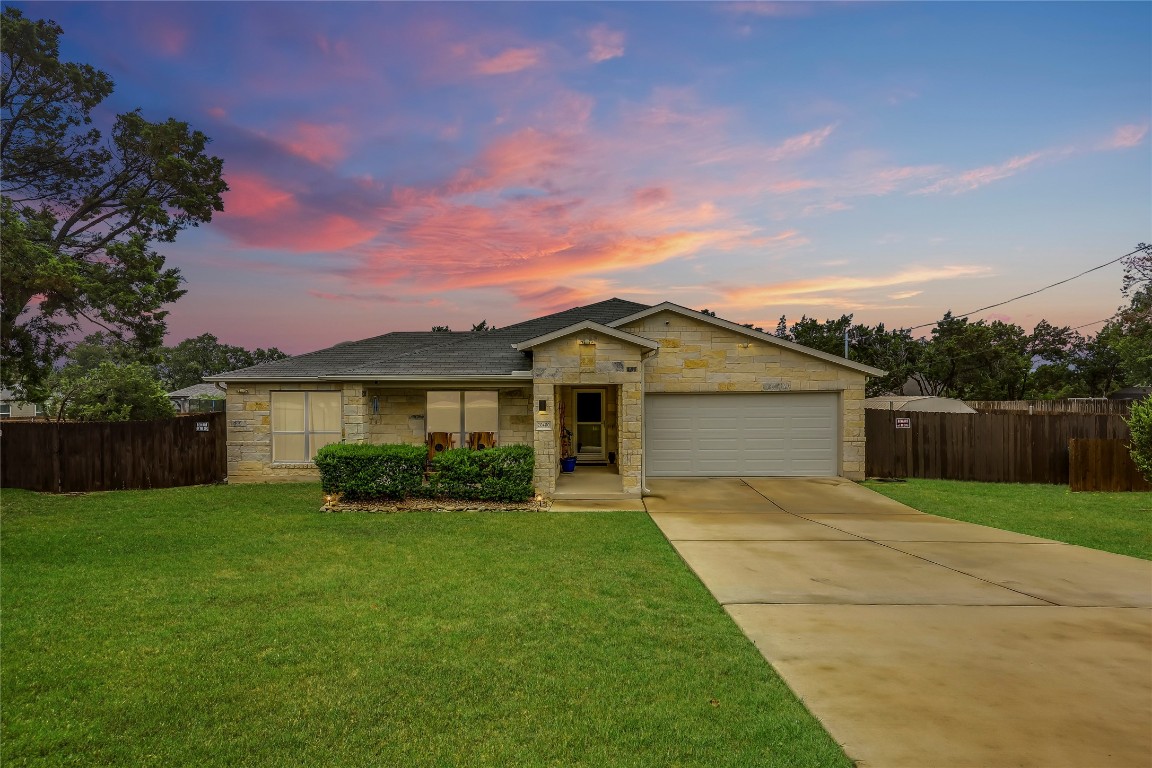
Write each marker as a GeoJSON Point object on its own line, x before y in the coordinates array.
{"type": "Point", "coordinates": [995, 360]}
{"type": "Point", "coordinates": [103, 378]}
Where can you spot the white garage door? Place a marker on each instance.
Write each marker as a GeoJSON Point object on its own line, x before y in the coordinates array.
{"type": "Point", "coordinates": [787, 434]}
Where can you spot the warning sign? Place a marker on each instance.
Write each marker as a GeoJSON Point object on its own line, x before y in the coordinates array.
{"type": "Point", "coordinates": [903, 423]}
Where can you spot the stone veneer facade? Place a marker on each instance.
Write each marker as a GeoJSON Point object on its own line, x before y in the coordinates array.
{"type": "Point", "coordinates": [400, 420]}
{"type": "Point", "coordinates": [563, 363]}
{"type": "Point", "coordinates": [694, 356]}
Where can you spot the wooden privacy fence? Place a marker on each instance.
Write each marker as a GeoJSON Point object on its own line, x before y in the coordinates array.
{"type": "Point", "coordinates": [107, 456]}
{"type": "Point", "coordinates": [1103, 465]}
{"type": "Point", "coordinates": [990, 447]}
{"type": "Point", "coordinates": [1096, 405]}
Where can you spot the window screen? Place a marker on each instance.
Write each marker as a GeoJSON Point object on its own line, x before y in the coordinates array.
{"type": "Point", "coordinates": [460, 413]}
{"type": "Point", "coordinates": [303, 423]}
{"type": "Point", "coordinates": [480, 412]}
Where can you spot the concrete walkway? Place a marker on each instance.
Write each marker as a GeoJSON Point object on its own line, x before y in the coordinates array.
{"type": "Point", "coordinates": [919, 641]}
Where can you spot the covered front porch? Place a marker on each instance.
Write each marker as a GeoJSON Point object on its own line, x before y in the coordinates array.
{"type": "Point", "coordinates": [591, 482]}
{"type": "Point", "coordinates": [587, 383]}
{"type": "Point", "coordinates": [589, 427]}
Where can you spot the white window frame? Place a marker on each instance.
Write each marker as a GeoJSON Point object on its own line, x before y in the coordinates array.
{"type": "Point", "coordinates": [308, 432]}
{"type": "Point", "coordinates": [5, 410]}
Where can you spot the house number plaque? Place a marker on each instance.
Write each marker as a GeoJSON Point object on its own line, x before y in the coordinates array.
{"type": "Point", "coordinates": [201, 426]}
{"type": "Point", "coordinates": [543, 426]}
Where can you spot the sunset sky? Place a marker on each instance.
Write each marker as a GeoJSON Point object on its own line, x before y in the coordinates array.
{"type": "Point", "coordinates": [397, 166]}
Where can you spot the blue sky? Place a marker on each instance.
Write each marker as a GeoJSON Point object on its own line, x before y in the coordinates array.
{"type": "Point", "coordinates": [397, 166]}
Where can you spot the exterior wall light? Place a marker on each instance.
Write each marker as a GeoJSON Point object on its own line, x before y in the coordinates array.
{"type": "Point", "coordinates": [543, 409]}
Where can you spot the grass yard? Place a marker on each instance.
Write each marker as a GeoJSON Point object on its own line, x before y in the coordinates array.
{"type": "Point", "coordinates": [223, 626]}
{"type": "Point", "coordinates": [1113, 522]}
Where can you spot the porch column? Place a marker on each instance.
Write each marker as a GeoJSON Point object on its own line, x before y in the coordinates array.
{"type": "Point", "coordinates": [631, 429]}
{"type": "Point", "coordinates": [544, 440]}
{"type": "Point", "coordinates": [355, 413]}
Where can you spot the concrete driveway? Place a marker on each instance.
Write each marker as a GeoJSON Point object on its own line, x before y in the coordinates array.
{"type": "Point", "coordinates": [920, 641]}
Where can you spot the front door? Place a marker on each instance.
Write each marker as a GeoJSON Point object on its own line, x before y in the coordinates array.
{"type": "Point", "coordinates": [590, 424]}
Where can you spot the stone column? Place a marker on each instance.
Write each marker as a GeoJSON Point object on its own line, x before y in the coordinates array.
{"type": "Point", "coordinates": [631, 441]}
{"type": "Point", "coordinates": [355, 413]}
{"type": "Point", "coordinates": [544, 440]}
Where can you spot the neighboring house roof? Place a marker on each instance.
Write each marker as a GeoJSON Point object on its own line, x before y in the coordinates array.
{"type": "Point", "coordinates": [197, 390]}
{"type": "Point", "coordinates": [501, 353]}
{"type": "Point", "coordinates": [8, 396]}
{"type": "Point", "coordinates": [922, 403]}
{"type": "Point", "coordinates": [1131, 393]}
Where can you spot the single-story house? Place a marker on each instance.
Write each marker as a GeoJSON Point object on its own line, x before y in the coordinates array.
{"type": "Point", "coordinates": [190, 399]}
{"type": "Point", "coordinates": [652, 391]}
{"type": "Point", "coordinates": [13, 408]}
{"type": "Point", "coordinates": [1132, 394]}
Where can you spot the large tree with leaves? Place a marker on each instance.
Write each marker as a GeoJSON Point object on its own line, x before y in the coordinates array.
{"type": "Point", "coordinates": [80, 213]}
{"type": "Point", "coordinates": [191, 360]}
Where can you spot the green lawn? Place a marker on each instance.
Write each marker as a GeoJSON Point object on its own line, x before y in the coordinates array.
{"type": "Point", "coordinates": [1113, 522]}
{"type": "Point", "coordinates": [223, 626]}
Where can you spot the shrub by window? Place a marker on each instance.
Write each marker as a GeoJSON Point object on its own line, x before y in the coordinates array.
{"type": "Point", "coordinates": [303, 423]}
{"type": "Point", "coordinates": [497, 474]}
{"type": "Point", "coordinates": [360, 472]}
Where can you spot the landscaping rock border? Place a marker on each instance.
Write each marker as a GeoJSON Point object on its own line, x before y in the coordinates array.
{"type": "Point", "coordinates": [434, 505]}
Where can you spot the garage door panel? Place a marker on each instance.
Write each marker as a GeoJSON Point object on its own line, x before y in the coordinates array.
{"type": "Point", "coordinates": [771, 434]}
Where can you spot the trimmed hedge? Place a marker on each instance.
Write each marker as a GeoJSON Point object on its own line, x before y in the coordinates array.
{"type": "Point", "coordinates": [495, 474]}
{"type": "Point", "coordinates": [360, 472]}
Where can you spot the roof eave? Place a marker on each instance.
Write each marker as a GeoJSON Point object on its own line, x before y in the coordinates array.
{"type": "Point", "coordinates": [226, 378]}
{"type": "Point", "coordinates": [586, 325]}
{"type": "Point", "coordinates": [416, 379]}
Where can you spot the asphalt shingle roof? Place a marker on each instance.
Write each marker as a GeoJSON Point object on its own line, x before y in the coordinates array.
{"type": "Point", "coordinates": [196, 390]}
{"type": "Point", "coordinates": [427, 353]}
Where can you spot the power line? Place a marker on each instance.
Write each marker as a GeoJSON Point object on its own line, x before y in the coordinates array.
{"type": "Point", "coordinates": [1139, 248]}
{"type": "Point", "coordinates": [1094, 322]}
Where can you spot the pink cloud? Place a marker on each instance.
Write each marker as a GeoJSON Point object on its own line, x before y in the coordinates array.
{"type": "Point", "coordinates": [323, 144]}
{"type": "Point", "coordinates": [527, 157]}
{"type": "Point", "coordinates": [252, 195]}
{"type": "Point", "coordinates": [767, 9]}
{"type": "Point", "coordinates": [605, 44]}
{"type": "Point", "coordinates": [1127, 136]}
{"type": "Point", "coordinates": [509, 61]}
{"type": "Point", "coordinates": [217, 112]}
{"type": "Point", "coordinates": [796, 145]}
{"type": "Point", "coordinates": [335, 48]}
{"type": "Point", "coordinates": [168, 39]}
{"type": "Point", "coordinates": [259, 214]}
{"type": "Point", "coordinates": [651, 196]}
{"type": "Point", "coordinates": [979, 177]}
{"type": "Point", "coordinates": [824, 290]}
